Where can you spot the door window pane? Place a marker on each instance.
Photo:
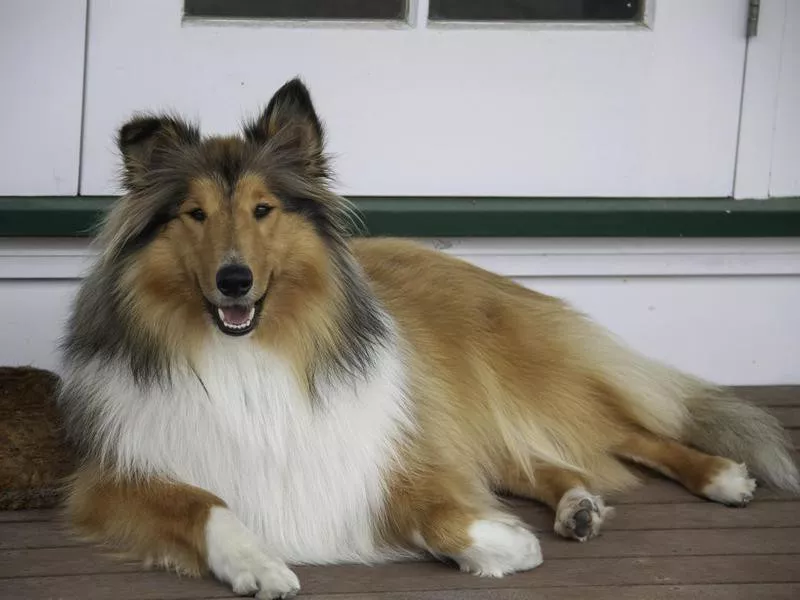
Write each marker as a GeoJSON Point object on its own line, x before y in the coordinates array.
{"type": "Point", "coordinates": [381, 10]}
{"type": "Point", "coordinates": [535, 10]}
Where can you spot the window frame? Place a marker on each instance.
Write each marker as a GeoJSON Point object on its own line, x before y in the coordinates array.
{"type": "Point", "coordinates": [238, 11]}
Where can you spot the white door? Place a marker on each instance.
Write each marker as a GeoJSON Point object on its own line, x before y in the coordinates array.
{"type": "Point", "coordinates": [647, 106]}
{"type": "Point", "coordinates": [42, 46]}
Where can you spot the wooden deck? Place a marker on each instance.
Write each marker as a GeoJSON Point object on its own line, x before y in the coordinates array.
{"type": "Point", "coordinates": [663, 543]}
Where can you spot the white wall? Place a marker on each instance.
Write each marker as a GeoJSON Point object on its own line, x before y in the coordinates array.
{"type": "Point", "coordinates": [41, 74]}
{"type": "Point", "coordinates": [722, 309]}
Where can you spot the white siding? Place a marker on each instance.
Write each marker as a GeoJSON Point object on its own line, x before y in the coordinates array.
{"type": "Point", "coordinates": [722, 309]}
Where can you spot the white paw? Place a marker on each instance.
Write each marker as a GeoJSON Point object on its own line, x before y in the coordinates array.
{"type": "Point", "coordinates": [499, 548]}
{"type": "Point", "coordinates": [266, 579]}
{"type": "Point", "coordinates": [731, 486]}
{"type": "Point", "coordinates": [580, 515]}
{"type": "Point", "coordinates": [235, 556]}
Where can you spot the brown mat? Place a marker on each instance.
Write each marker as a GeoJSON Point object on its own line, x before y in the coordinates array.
{"type": "Point", "coordinates": [33, 454]}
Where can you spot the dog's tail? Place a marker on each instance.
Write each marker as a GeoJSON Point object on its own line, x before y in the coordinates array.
{"type": "Point", "coordinates": [673, 404]}
{"type": "Point", "coordinates": [722, 424]}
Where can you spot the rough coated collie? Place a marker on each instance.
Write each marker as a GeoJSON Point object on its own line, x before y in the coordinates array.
{"type": "Point", "coordinates": [249, 388]}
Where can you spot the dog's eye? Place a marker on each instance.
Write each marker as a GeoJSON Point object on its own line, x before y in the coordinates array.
{"type": "Point", "coordinates": [261, 211]}
{"type": "Point", "coordinates": [198, 214]}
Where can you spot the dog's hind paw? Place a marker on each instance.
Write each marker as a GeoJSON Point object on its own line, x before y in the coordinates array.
{"type": "Point", "coordinates": [731, 486]}
{"type": "Point", "coordinates": [580, 515]}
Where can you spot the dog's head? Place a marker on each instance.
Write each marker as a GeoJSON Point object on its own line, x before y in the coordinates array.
{"type": "Point", "coordinates": [212, 228]}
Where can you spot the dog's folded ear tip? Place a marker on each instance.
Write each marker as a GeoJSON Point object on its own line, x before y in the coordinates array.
{"type": "Point", "coordinates": [137, 129]}
{"type": "Point", "coordinates": [142, 135]}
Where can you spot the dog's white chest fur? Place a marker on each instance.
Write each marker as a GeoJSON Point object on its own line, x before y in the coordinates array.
{"type": "Point", "coordinates": [308, 478]}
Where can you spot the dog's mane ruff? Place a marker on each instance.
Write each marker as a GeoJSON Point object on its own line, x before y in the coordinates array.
{"type": "Point", "coordinates": [101, 323]}
{"type": "Point", "coordinates": [100, 331]}
{"type": "Point", "coordinates": [361, 323]}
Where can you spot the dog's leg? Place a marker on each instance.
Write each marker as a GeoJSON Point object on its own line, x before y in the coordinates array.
{"type": "Point", "coordinates": [579, 513]}
{"type": "Point", "coordinates": [455, 518]}
{"type": "Point", "coordinates": [492, 544]}
{"type": "Point", "coordinates": [713, 477]}
{"type": "Point", "coordinates": [176, 526]}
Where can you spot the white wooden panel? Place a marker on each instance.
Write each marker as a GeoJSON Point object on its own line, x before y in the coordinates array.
{"type": "Point", "coordinates": [705, 325]}
{"type": "Point", "coordinates": [759, 102]}
{"type": "Point", "coordinates": [34, 313]}
{"type": "Point", "coordinates": [42, 49]}
{"type": "Point", "coordinates": [447, 111]}
{"type": "Point", "coordinates": [722, 309]}
{"type": "Point", "coordinates": [733, 330]}
{"type": "Point", "coordinates": [32, 258]}
{"type": "Point", "coordinates": [785, 179]}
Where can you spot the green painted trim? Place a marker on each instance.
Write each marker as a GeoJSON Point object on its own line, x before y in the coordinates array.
{"type": "Point", "coordinates": [478, 217]}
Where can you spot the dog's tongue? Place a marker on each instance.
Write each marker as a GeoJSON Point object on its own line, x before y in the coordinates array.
{"type": "Point", "coordinates": [235, 315]}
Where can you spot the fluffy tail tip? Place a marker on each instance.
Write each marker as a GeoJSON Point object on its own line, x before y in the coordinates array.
{"type": "Point", "coordinates": [725, 425]}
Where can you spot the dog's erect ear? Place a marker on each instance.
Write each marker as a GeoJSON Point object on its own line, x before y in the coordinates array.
{"type": "Point", "coordinates": [292, 123]}
{"type": "Point", "coordinates": [145, 140]}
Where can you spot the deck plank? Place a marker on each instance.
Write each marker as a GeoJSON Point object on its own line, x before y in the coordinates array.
{"type": "Point", "coordinates": [25, 516]}
{"type": "Point", "coordinates": [559, 572]}
{"type": "Point", "coordinates": [704, 515]}
{"type": "Point", "coordinates": [428, 576]}
{"type": "Point", "coordinates": [119, 586]}
{"type": "Point", "coordinates": [82, 559]}
{"type": "Point", "coordinates": [163, 586]}
{"type": "Point", "coordinates": [640, 592]}
{"type": "Point", "coordinates": [774, 395]}
{"type": "Point", "coordinates": [788, 415]}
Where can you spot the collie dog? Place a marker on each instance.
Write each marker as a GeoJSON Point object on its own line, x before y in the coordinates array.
{"type": "Point", "coordinates": [250, 388]}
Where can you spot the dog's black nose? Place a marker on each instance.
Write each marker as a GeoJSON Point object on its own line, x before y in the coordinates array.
{"type": "Point", "coordinates": [234, 280]}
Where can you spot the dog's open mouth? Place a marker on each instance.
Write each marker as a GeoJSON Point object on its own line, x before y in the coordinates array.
{"type": "Point", "coordinates": [236, 319]}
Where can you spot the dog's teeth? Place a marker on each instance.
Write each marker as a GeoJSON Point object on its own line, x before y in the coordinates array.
{"type": "Point", "coordinates": [237, 326]}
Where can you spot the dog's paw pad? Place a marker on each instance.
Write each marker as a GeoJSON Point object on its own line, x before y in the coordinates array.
{"type": "Point", "coordinates": [580, 515]}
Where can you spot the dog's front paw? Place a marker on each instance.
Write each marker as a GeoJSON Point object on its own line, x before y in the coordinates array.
{"type": "Point", "coordinates": [235, 556]}
{"type": "Point", "coordinates": [499, 548]}
{"type": "Point", "coordinates": [264, 578]}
